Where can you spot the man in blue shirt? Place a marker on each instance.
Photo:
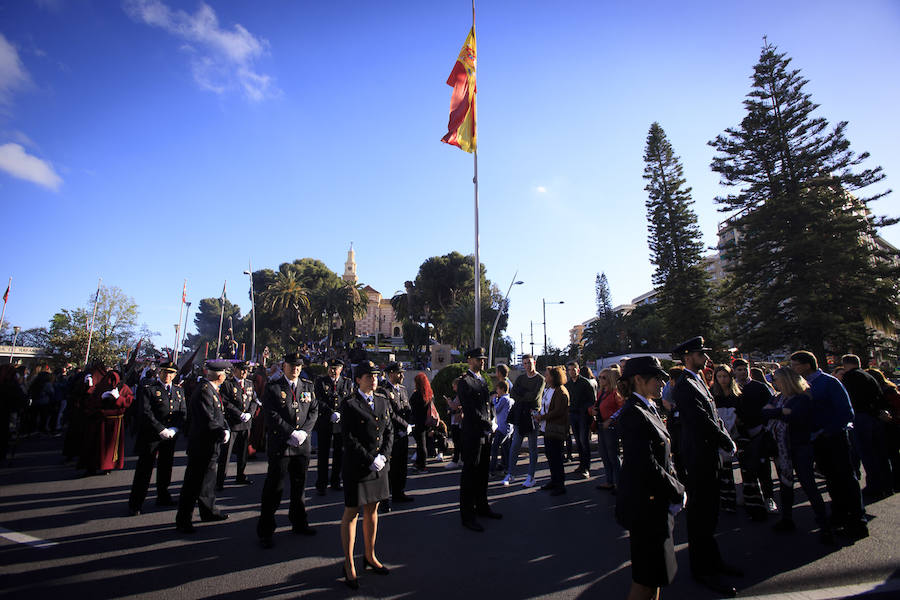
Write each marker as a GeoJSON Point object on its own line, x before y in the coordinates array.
{"type": "Point", "coordinates": [833, 417]}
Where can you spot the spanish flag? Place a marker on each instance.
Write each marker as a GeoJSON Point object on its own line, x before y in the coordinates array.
{"type": "Point", "coordinates": [461, 130]}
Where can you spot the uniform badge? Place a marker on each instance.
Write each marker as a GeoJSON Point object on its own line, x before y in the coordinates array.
{"type": "Point", "coordinates": [306, 397]}
{"type": "Point", "coordinates": [158, 393]}
{"type": "Point", "coordinates": [295, 405]}
{"type": "Point", "coordinates": [283, 395]}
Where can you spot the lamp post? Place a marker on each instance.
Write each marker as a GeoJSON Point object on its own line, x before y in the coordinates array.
{"type": "Point", "coordinates": [545, 321]}
{"type": "Point", "coordinates": [16, 330]}
{"type": "Point", "coordinates": [252, 312]}
{"type": "Point", "coordinates": [497, 318]}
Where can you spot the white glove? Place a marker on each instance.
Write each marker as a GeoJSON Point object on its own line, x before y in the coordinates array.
{"type": "Point", "coordinates": [245, 417]}
{"type": "Point", "coordinates": [335, 417]}
{"type": "Point", "coordinates": [302, 437]}
{"type": "Point", "coordinates": [378, 463]}
{"type": "Point", "coordinates": [174, 430]}
{"type": "Point", "coordinates": [493, 425]}
{"type": "Point", "coordinates": [227, 437]}
{"type": "Point", "coordinates": [409, 429]}
{"type": "Point", "coordinates": [676, 508]}
{"type": "Point", "coordinates": [167, 434]}
{"type": "Point", "coordinates": [88, 380]}
{"type": "Point", "coordinates": [296, 438]}
{"type": "Point", "coordinates": [113, 393]}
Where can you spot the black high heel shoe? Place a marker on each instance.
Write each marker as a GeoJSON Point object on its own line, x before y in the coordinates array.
{"type": "Point", "coordinates": [353, 584]}
{"type": "Point", "coordinates": [382, 570]}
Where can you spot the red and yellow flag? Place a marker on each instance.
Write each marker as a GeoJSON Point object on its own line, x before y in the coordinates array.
{"type": "Point", "coordinates": [461, 130]}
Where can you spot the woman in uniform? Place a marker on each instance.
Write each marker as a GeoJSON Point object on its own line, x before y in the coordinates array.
{"type": "Point", "coordinates": [368, 438]}
{"type": "Point", "coordinates": [649, 493]}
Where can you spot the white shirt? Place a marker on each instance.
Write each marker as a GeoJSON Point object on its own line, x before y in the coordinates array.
{"type": "Point", "coordinates": [545, 404]}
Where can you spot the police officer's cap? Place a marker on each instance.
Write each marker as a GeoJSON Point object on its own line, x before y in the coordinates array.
{"type": "Point", "coordinates": [218, 365]}
{"type": "Point", "coordinates": [644, 365]}
{"type": "Point", "coordinates": [293, 359]}
{"type": "Point", "coordinates": [335, 362]}
{"type": "Point", "coordinates": [695, 344]}
{"type": "Point", "coordinates": [394, 367]}
{"type": "Point", "coordinates": [366, 367]}
{"type": "Point", "coordinates": [168, 366]}
{"type": "Point", "coordinates": [475, 353]}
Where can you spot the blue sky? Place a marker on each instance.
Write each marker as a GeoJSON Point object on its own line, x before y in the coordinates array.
{"type": "Point", "coordinates": [150, 141]}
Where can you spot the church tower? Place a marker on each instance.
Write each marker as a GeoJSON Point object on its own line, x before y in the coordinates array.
{"type": "Point", "coordinates": [350, 267]}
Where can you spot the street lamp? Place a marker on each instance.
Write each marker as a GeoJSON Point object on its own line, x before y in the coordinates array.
{"type": "Point", "coordinates": [497, 318]}
{"type": "Point", "coordinates": [252, 312]}
{"type": "Point", "coordinates": [16, 330]}
{"type": "Point", "coordinates": [545, 321]}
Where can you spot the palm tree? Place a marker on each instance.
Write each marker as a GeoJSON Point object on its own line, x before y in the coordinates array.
{"type": "Point", "coordinates": [353, 305]}
{"type": "Point", "coordinates": [286, 296]}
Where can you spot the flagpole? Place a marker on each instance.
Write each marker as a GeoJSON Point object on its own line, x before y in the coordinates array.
{"type": "Point", "coordinates": [178, 326]}
{"type": "Point", "coordinates": [221, 319]}
{"type": "Point", "coordinates": [5, 297]}
{"type": "Point", "coordinates": [475, 181]}
{"type": "Point", "coordinates": [186, 315]}
{"type": "Point", "coordinates": [87, 354]}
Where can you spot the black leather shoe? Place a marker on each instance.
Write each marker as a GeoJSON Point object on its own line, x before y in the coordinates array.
{"type": "Point", "coordinates": [353, 584]}
{"type": "Point", "coordinates": [185, 528]}
{"type": "Point", "coordinates": [489, 514]}
{"type": "Point", "coordinates": [165, 501]}
{"type": "Point", "coordinates": [266, 543]}
{"type": "Point", "coordinates": [384, 506]}
{"type": "Point", "coordinates": [731, 570]}
{"type": "Point", "coordinates": [717, 585]}
{"type": "Point", "coordinates": [133, 512]}
{"type": "Point", "coordinates": [214, 517]}
{"type": "Point", "coordinates": [382, 570]}
{"type": "Point", "coordinates": [244, 481]}
{"type": "Point", "coordinates": [473, 525]}
{"type": "Point", "coordinates": [303, 530]}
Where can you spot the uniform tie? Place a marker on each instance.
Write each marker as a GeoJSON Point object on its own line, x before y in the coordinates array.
{"type": "Point", "coordinates": [168, 389]}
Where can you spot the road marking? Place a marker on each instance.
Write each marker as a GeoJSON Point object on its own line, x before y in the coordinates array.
{"type": "Point", "coordinates": [841, 591]}
{"type": "Point", "coordinates": [21, 538]}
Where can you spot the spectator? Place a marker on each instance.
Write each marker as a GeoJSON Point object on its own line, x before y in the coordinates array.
{"type": "Point", "coordinates": [527, 393]}
{"type": "Point", "coordinates": [891, 421]}
{"type": "Point", "coordinates": [608, 402]}
{"type": "Point", "coordinates": [503, 435]}
{"type": "Point", "coordinates": [726, 394]}
{"type": "Point", "coordinates": [554, 419]}
{"type": "Point", "coordinates": [455, 410]}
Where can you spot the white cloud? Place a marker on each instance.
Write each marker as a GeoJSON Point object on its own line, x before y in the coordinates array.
{"type": "Point", "coordinates": [13, 75]}
{"type": "Point", "coordinates": [540, 189]}
{"type": "Point", "coordinates": [18, 163]}
{"type": "Point", "coordinates": [223, 58]}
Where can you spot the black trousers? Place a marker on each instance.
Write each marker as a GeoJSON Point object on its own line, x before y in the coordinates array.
{"type": "Point", "coordinates": [474, 479]}
{"type": "Point", "coordinates": [238, 444]}
{"type": "Point", "coordinates": [199, 487]}
{"type": "Point", "coordinates": [553, 449]}
{"type": "Point", "coordinates": [420, 433]}
{"type": "Point", "coordinates": [329, 440]}
{"type": "Point", "coordinates": [273, 489]}
{"type": "Point", "coordinates": [702, 518]}
{"type": "Point", "coordinates": [454, 435]}
{"type": "Point", "coordinates": [399, 458]}
{"type": "Point", "coordinates": [832, 452]}
{"type": "Point", "coordinates": [164, 452]}
{"type": "Point", "coordinates": [581, 427]}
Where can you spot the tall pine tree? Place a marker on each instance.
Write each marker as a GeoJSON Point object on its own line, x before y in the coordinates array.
{"type": "Point", "coordinates": [604, 301]}
{"type": "Point", "coordinates": [675, 246]}
{"type": "Point", "coordinates": [806, 270]}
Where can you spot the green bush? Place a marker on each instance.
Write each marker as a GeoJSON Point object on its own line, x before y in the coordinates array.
{"type": "Point", "coordinates": [442, 386]}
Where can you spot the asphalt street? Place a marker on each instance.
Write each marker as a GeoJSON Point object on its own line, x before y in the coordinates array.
{"type": "Point", "coordinates": [68, 537]}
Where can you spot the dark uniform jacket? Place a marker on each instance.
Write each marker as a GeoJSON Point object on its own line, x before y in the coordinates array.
{"type": "Point", "coordinates": [287, 412]}
{"type": "Point", "coordinates": [478, 412]}
{"type": "Point", "coordinates": [703, 433]}
{"type": "Point", "coordinates": [401, 410]}
{"type": "Point", "coordinates": [206, 414]}
{"type": "Point", "coordinates": [159, 410]}
{"type": "Point", "coordinates": [237, 397]}
{"type": "Point", "coordinates": [648, 483]}
{"type": "Point", "coordinates": [367, 433]}
{"type": "Point", "coordinates": [329, 397]}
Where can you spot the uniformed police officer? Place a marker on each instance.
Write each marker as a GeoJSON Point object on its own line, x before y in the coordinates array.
{"type": "Point", "coordinates": [290, 412]}
{"type": "Point", "coordinates": [401, 417]}
{"type": "Point", "coordinates": [207, 431]}
{"type": "Point", "coordinates": [239, 400]}
{"type": "Point", "coordinates": [161, 410]}
{"type": "Point", "coordinates": [475, 436]}
{"type": "Point", "coordinates": [331, 389]}
{"type": "Point", "coordinates": [703, 435]}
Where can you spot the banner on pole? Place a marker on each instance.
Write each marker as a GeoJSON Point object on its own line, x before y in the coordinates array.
{"type": "Point", "coordinates": [461, 131]}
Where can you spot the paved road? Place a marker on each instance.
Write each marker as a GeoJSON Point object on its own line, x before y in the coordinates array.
{"type": "Point", "coordinates": [82, 544]}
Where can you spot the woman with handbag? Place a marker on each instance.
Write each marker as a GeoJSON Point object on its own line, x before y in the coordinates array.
{"type": "Point", "coordinates": [554, 419]}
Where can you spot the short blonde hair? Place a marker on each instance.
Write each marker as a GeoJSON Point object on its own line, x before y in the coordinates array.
{"type": "Point", "coordinates": [792, 383]}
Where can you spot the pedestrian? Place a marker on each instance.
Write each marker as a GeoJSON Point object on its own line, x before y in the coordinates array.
{"type": "Point", "coordinates": [207, 431]}
{"type": "Point", "coordinates": [703, 437]}
{"type": "Point", "coordinates": [891, 421]}
{"type": "Point", "coordinates": [455, 410]}
{"type": "Point", "coordinates": [161, 413]}
{"type": "Point", "coordinates": [503, 435]}
{"type": "Point", "coordinates": [240, 401]}
{"type": "Point", "coordinates": [290, 411]}
{"type": "Point", "coordinates": [401, 416]}
{"type": "Point", "coordinates": [831, 445]}
{"type": "Point", "coordinates": [726, 394]}
{"type": "Point", "coordinates": [331, 389]}
{"type": "Point", "coordinates": [368, 439]}
{"type": "Point", "coordinates": [477, 426]}
{"type": "Point", "coordinates": [581, 397]}
{"type": "Point", "coordinates": [526, 394]}
{"type": "Point", "coordinates": [420, 405]}
{"type": "Point", "coordinates": [608, 402]}
{"type": "Point", "coordinates": [555, 425]}
{"type": "Point", "coordinates": [649, 494]}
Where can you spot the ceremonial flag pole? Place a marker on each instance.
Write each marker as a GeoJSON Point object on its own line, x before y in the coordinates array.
{"type": "Point", "coordinates": [178, 326]}
{"type": "Point", "coordinates": [462, 133]}
{"type": "Point", "coordinates": [221, 319]}
{"type": "Point", "coordinates": [5, 298]}
{"type": "Point", "coordinates": [87, 354]}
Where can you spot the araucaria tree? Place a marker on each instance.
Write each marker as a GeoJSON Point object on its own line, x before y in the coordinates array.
{"type": "Point", "coordinates": [806, 269]}
{"type": "Point", "coordinates": [675, 245]}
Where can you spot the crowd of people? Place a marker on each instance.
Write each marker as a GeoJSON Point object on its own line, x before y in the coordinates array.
{"type": "Point", "coordinates": [667, 439]}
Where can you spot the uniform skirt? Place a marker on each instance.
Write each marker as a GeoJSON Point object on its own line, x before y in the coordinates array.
{"type": "Point", "coordinates": [653, 552]}
{"type": "Point", "coordinates": [373, 487]}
